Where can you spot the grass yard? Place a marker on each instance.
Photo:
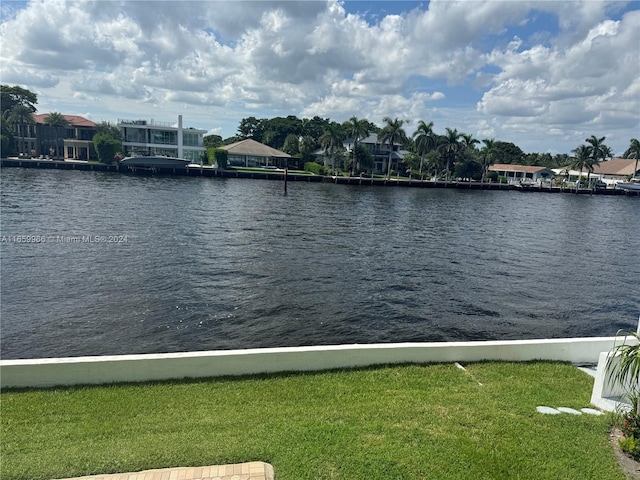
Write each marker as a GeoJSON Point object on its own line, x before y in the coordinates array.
{"type": "Point", "coordinates": [395, 422]}
{"type": "Point", "coordinates": [266, 170]}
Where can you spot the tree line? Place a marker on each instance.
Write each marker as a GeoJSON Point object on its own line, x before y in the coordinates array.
{"type": "Point", "coordinates": [448, 154]}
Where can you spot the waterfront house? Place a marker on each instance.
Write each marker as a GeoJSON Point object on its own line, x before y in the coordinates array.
{"type": "Point", "coordinates": [379, 152]}
{"type": "Point", "coordinates": [72, 141]}
{"type": "Point", "coordinates": [148, 137]}
{"type": "Point", "coordinates": [518, 173]}
{"type": "Point", "coordinates": [610, 171]}
{"type": "Point", "coordinates": [250, 153]}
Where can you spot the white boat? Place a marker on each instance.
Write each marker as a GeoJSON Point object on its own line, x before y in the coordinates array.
{"type": "Point", "coordinates": [155, 161]}
{"type": "Point", "coordinates": [632, 185]}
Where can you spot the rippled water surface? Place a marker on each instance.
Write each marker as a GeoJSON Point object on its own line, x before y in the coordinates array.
{"type": "Point", "coordinates": [226, 263]}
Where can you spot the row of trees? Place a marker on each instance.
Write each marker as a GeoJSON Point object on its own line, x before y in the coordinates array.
{"type": "Point", "coordinates": [453, 153]}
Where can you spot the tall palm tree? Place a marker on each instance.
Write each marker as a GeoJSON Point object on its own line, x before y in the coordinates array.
{"type": "Point", "coordinates": [633, 152]}
{"type": "Point", "coordinates": [487, 156]}
{"type": "Point", "coordinates": [21, 115]}
{"type": "Point", "coordinates": [582, 159]}
{"type": "Point", "coordinates": [56, 119]}
{"type": "Point", "coordinates": [358, 129]}
{"type": "Point", "coordinates": [468, 141]}
{"type": "Point", "coordinates": [392, 133]}
{"type": "Point", "coordinates": [331, 141]}
{"type": "Point", "coordinates": [450, 146]}
{"type": "Point", "coordinates": [59, 123]}
{"type": "Point", "coordinates": [425, 140]}
{"type": "Point", "coordinates": [599, 150]}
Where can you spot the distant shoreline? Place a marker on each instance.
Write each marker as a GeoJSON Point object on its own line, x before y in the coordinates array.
{"type": "Point", "coordinates": [211, 172]}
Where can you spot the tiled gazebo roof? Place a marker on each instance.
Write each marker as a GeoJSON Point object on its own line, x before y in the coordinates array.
{"type": "Point", "coordinates": [253, 148]}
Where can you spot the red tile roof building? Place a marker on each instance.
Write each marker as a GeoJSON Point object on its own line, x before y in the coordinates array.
{"type": "Point", "coordinates": [73, 141]}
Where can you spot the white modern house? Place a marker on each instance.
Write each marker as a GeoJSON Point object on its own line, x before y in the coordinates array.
{"type": "Point", "coordinates": [148, 137]}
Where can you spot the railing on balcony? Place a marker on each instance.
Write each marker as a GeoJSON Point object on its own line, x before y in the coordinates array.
{"type": "Point", "coordinates": [145, 123]}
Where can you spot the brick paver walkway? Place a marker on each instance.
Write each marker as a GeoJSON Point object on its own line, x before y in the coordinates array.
{"type": "Point", "coordinates": [239, 471]}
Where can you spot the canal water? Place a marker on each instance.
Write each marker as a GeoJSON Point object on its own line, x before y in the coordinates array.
{"type": "Point", "coordinates": [100, 263]}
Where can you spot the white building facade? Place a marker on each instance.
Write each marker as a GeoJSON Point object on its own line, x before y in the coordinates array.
{"type": "Point", "coordinates": [148, 137]}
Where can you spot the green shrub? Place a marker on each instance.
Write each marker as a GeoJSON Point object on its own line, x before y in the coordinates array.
{"type": "Point", "coordinates": [631, 426]}
{"type": "Point", "coordinates": [221, 157]}
{"type": "Point", "coordinates": [106, 147]}
{"type": "Point", "coordinates": [314, 168]}
{"type": "Point", "coordinates": [631, 446]}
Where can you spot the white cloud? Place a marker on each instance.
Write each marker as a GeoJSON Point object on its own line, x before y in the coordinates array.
{"type": "Point", "coordinates": [592, 82]}
{"type": "Point", "coordinates": [222, 61]}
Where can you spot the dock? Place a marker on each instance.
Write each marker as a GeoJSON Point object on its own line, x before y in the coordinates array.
{"type": "Point", "coordinates": [211, 172]}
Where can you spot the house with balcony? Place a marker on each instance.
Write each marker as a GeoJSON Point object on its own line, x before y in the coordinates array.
{"type": "Point", "coordinates": [149, 137]}
{"type": "Point", "coordinates": [72, 141]}
{"type": "Point", "coordinates": [379, 152]}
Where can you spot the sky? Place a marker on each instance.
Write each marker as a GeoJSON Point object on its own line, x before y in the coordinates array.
{"type": "Point", "coordinates": [544, 75]}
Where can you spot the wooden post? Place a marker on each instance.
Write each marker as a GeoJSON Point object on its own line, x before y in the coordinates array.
{"type": "Point", "coordinates": [285, 180]}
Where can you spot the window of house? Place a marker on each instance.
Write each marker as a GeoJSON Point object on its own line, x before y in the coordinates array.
{"type": "Point", "coordinates": [236, 160]}
{"type": "Point", "coordinates": [190, 139]}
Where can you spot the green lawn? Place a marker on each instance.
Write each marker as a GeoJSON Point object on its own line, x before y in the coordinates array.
{"type": "Point", "coordinates": [266, 170]}
{"type": "Point", "coordinates": [397, 422]}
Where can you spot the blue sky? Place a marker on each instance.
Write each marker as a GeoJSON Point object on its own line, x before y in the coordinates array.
{"type": "Point", "coordinates": [544, 75]}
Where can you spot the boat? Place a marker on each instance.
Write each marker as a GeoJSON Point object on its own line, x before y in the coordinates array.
{"type": "Point", "coordinates": [524, 184]}
{"type": "Point", "coordinates": [154, 161]}
{"type": "Point", "coordinates": [632, 185]}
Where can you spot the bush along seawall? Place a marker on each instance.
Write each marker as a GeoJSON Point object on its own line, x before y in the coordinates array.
{"type": "Point", "coordinates": [297, 176]}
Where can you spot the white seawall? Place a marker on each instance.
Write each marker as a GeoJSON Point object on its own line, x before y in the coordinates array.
{"type": "Point", "coordinates": [138, 368]}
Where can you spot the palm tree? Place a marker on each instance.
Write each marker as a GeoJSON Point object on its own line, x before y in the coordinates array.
{"type": "Point", "coordinates": [468, 141]}
{"type": "Point", "coordinates": [633, 152]}
{"type": "Point", "coordinates": [56, 119]}
{"type": "Point", "coordinates": [331, 140]}
{"type": "Point", "coordinates": [624, 366]}
{"type": "Point", "coordinates": [486, 156]}
{"type": "Point", "coordinates": [425, 140]}
{"type": "Point", "coordinates": [433, 162]}
{"type": "Point", "coordinates": [21, 115]}
{"type": "Point", "coordinates": [59, 123]}
{"type": "Point", "coordinates": [392, 133]}
{"type": "Point", "coordinates": [450, 146]}
{"type": "Point", "coordinates": [358, 129]}
{"type": "Point", "coordinates": [582, 159]}
{"type": "Point", "coordinates": [599, 151]}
